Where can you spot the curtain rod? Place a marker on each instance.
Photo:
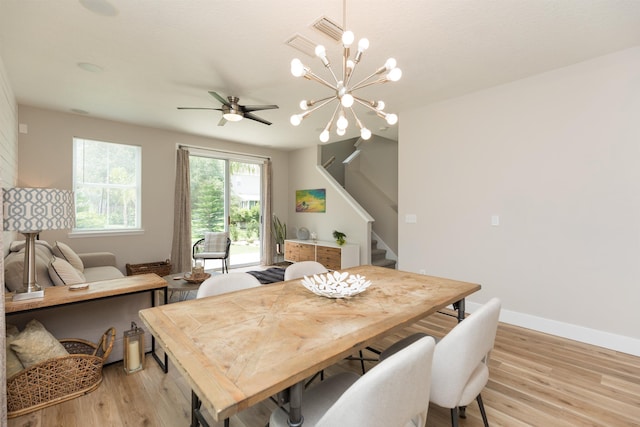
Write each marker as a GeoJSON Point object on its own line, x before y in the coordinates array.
{"type": "Point", "coordinates": [215, 150]}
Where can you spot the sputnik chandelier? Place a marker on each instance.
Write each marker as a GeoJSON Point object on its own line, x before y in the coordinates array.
{"type": "Point", "coordinates": [342, 89]}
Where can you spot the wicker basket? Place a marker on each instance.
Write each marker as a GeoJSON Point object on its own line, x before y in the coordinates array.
{"type": "Point", "coordinates": [161, 268]}
{"type": "Point", "coordinates": [61, 378]}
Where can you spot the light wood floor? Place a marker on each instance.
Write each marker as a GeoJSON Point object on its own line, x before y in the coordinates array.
{"type": "Point", "coordinates": [535, 380]}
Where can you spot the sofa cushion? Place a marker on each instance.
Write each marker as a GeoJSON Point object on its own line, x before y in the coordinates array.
{"type": "Point", "coordinates": [63, 273]}
{"type": "Point", "coordinates": [107, 272]}
{"type": "Point", "coordinates": [62, 250]}
{"type": "Point", "coordinates": [35, 344]}
{"type": "Point", "coordinates": [14, 365]}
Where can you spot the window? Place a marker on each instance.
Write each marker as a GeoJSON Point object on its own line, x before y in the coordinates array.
{"type": "Point", "coordinates": [106, 184]}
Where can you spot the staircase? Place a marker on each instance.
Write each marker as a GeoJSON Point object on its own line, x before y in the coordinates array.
{"type": "Point", "coordinates": [378, 256]}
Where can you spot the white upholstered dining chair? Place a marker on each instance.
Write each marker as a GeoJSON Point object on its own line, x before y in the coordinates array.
{"type": "Point", "coordinates": [392, 394]}
{"type": "Point", "coordinates": [300, 269]}
{"type": "Point", "coordinates": [223, 283]}
{"type": "Point", "coordinates": [460, 370]}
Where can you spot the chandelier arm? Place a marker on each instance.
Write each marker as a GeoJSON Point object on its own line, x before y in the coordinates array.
{"type": "Point", "coordinates": [312, 76]}
{"type": "Point", "coordinates": [366, 104]}
{"type": "Point", "coordinates": [363, 81]}
{"type": "Point", "coordinates": [333, 117]}
{"type": "Point", "coordinates": [355, 116]}
{"type": "Point", "coordinates": [332, 73]}
{"type": "Point", "coordinates": [363, 84]}
{"type": "Point", "coordinates": [355, 64]}
{"type": "Point", "coordinates": [317, 107]}
{"type": "Point", "coordinates": [321, 100]}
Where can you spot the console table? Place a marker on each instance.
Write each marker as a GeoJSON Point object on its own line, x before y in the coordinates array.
{"type": "Point", "coordinates": [57, 296]}
{"type": "Point", "coordinates": [329, 254]}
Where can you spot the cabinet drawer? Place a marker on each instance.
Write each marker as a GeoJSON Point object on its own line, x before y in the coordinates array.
{"type": "Point", "coordinates": [330, 257]}
{"type": "Point", "coordinates": [296, 252]}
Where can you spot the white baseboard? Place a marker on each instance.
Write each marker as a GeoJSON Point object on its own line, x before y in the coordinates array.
{"type": "Point", "coordinates": [566, 330]}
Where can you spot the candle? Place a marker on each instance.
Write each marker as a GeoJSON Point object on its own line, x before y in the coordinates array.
{"type": "Point", "coordinates": [134, 356]}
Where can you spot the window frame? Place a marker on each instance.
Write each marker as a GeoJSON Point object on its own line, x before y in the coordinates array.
{"type": "Point", "coordinates": [89, 232]}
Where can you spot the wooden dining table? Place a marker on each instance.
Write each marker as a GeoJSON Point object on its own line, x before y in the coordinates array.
{"type": "Point", "coordinates": [240, 348]}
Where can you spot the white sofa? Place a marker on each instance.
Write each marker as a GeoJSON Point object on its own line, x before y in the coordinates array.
{"type": "Point", "coordinates": [86, 320]}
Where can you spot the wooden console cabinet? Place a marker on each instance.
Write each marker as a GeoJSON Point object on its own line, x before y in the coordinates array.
{"type": "Point", "coordinates": [329, 254]}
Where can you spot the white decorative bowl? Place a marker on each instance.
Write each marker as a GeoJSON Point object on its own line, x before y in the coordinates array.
{"type": "Point", "coordinates": [336, 284]}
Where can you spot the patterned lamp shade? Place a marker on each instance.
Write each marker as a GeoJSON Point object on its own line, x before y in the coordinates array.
{"type": "Point", "coordinates": [31, 210]}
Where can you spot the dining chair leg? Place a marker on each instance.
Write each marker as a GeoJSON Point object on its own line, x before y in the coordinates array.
{"type": "Point", "coordinates": [482, 411]}
{"type": "Point", "coordinates": [454, 417]}
{"type": "Point", "coordinates": [462, 412]}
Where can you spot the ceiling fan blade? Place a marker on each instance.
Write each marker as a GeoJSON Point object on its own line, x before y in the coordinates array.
{"type": "Point", "coordinates": [249, 108]}
{"type": "Point", "coordinates": [199, 108]}
{"type": "Point", "coordinates": [222, 121]}
{"type": "Point", "coordinates": [256, 118]}
{"type": "Point", "coordinates": [219, 98]}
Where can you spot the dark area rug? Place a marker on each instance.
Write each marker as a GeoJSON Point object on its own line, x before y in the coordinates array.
{"type": "Point", "coordinates": [270, 275]}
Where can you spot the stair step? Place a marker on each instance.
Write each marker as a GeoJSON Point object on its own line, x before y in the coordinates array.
{"type": "Point", "coordinates": [378, 254]}
{"type": "Point", "coordinates": [389, 263]}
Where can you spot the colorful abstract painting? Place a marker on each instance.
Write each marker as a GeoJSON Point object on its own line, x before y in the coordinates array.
{"type": "Point", "coordinates": [311, 200]}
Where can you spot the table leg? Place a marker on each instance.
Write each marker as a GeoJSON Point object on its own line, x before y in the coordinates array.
{"type": "Point", "coordinates": [295, 405]}
{"type": "Point", "coordinates": [165, 365]}
{"type": "Point", "coordinates": [460, 306]}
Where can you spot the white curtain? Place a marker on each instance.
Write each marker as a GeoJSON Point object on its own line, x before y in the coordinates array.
{"type": "Point", "coordinates": [181, 244]}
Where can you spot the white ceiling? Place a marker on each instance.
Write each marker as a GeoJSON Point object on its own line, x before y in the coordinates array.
{"type": "Point", "coordinates": [157, 55]}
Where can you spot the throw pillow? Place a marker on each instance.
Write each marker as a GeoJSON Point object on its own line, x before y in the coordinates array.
{"type": "Point", "coordinates": [64, 251]}
{"type": "Point", "coordinates": [14, 270]}
{"type": "Point", "coordinates": [18, 245]}
{"type": "Point", "coordinates": [35, 344]}
{"type": "Point", "coordinates": [13, 363]}
{"type": "Point", "coordinates": [215, 242]}
{"type": "Point", "coordinates": [63, 273]}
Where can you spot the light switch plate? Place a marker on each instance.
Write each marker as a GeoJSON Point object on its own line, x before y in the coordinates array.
{"type": "Point", "coordinates": [410, 218]}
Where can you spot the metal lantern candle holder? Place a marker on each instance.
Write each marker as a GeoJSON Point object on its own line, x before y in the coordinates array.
{"type": "Point", "coordinates": [133, 349]}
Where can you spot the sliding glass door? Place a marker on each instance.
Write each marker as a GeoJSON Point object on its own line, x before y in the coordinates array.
{"type": "Point", "coordinates": [226, 196]}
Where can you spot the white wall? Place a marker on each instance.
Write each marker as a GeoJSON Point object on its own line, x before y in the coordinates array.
{"type": "Point", "coordinates": [45, 155]}
{"type": "Point", "coordinates": [557, 157]}
{"type": "Point", "coordinates": [343, 213]}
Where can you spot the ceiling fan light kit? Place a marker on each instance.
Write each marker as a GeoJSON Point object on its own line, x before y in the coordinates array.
{"type": "Point", "coordinates": [343, 90]}
{"type": "Point", "coordinates": [234, 112]}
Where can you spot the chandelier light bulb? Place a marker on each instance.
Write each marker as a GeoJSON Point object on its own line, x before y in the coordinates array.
{"type": "Point", "coordinates": [347, 38]}
{"type": "Point", "coordinates": [304, 104]}
{"type": "Point", "coordinates": [365, 133]}
{"type": "Point", "coordinates": [296, 119]}
{"type": "Point", "coordinates": [390, 64]}
{"type": "Point", "coordinates": [347, 100]}
{"type": "Point", "coordinates": [394, 75]}
{"type": "Point", "coordinates": [341, 132]}
{"type": "Point", "coordinates": [342, 122]}
{"type": "Point", "coordinates": [350, 64]}
{"type": "Point", "coordinates": [363, 45]}
{"type": "Point", "coordinates": [324, 136]}
{"type": "Point", "coordinates": [391, 119]}
{"type": "Point", "coordinates": [379, 105]}
{"type": "Point", "coordinates": [321, 52]}
{"type": "Point", "coordinates": [297, 68]}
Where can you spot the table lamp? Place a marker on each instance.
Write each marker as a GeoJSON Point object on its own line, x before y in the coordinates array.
{"type": "Point", "coordinates": [30, 211]}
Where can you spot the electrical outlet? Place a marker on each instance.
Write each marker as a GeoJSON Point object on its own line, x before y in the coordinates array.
{"type": "Point", "coordinates": [422, 271]}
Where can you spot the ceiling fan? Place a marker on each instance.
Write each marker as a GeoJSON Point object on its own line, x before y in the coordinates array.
{"type": "Point", "coordinates": [232, 111]}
